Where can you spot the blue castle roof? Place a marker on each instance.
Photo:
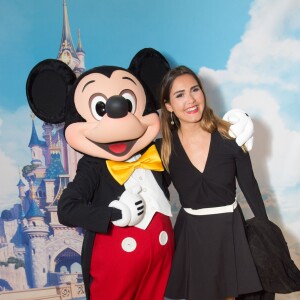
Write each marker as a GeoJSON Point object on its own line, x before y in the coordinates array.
{"type": "Point", "coordinates": [79, 46]}
{"type": "Point", "coordinates": [21, 213]}
{"type": "Point", "coordinates": [34, 140]}
{"type": "Point", "coordinates": [33, 211]}
{"type": "Point", "coordinates": [55, 168]}
{"type": "Point", "coordinates": [20, 183]}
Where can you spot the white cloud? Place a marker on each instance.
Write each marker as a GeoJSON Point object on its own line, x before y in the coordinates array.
{"type": "Point", "coordinates": [15, 131]}
{"type": "Point", "coordinates": [284, 144]}
{"type": "Point", "coordinates": [262, 77]}
{"type": "Point", "coordinates": [261, 71]}
{"type": "Point", "coordinates": [268, 48]}
{"type": "Point", "coordinates": [9, 175]}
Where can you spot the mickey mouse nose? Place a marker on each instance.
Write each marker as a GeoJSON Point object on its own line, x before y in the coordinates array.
{"type": "Point", "coordinates": [116, 107]}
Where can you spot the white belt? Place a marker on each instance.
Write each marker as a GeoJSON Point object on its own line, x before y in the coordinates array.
{"type": "Point", "coordinates": [212, 210]}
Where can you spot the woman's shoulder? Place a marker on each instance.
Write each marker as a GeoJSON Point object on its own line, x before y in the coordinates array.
{"type": "Point", "coordinates": [227, 142]}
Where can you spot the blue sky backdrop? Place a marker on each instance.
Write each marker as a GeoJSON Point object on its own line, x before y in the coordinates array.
{"type": "Point", "coordinates": [195, 33]}
{"type": "Point", "coordinates": [246, 52]}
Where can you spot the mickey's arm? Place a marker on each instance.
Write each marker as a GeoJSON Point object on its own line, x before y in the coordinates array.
{"type": "Point", "coordinates": [242, 127]}
{"type": "Point", "coordinates": [75, 207]}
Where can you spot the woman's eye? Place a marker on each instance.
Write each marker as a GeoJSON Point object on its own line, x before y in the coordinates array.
{"type": "Point", "coordinates": [97, 107]}
{"type": "Point", "coordinates": [131, 100]}
{"type": "Point", "coordinates": [179, 95]}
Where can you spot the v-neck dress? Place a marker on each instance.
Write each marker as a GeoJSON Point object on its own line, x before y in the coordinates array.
{"type": "Point", "coordinates": [212, 259]}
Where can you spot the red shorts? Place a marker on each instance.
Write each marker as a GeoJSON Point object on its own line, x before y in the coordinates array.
{"type": "Point", "coordinates": [129, 263]}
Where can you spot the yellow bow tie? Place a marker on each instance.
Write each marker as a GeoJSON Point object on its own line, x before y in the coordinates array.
{"type": "Point", "coordinates": [121, 170]}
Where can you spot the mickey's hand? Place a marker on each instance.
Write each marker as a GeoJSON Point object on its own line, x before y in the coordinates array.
{"type": "Point", "coordinates": [132, 207]}
{"type": "Point", "coordinates": [242, 127]}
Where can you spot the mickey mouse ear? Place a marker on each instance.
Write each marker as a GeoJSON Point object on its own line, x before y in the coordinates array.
{"type": "Point", "coordinates": [150, 66]}
{"type": "Point", "coordinates": [47, 88]}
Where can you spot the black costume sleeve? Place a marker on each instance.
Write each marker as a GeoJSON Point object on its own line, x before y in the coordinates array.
{"type": "Point", "coordinates": [76, 207]}
{"type": "Point", "coordinates": [248, 184]}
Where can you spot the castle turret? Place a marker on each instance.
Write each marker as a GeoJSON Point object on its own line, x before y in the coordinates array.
{"type": "Point", "coordinates": [67, 52]}
{"type": "Point", "coordinates": [75, 60]}
{"type": "Point", "coordinates": [55, 169]}
{"type": "Point", "coordinates": [80, 53]}
{"type": "Point", "coordinates": [37, 232]}
{"type": "Point", "coordinates": [21, 188]}
{"type": "Point", "coordinates": [36, 146]}
{"type": "Point", "coordinates": [47, 137]}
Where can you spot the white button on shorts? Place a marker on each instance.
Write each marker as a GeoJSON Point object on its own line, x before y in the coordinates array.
{"type": "Point", "coordinates": [163, 238]}
{"type": "Point", "coordinates": [129, 244]}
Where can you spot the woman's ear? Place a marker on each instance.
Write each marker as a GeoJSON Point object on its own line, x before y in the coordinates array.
{"type": "Point", "coordinates": [47, 89]}
{"type": "Point", "coordinates": [169, 107]}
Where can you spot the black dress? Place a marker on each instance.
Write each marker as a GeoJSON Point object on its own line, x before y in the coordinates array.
{"type": "Point", "coordinates": [212, 259]}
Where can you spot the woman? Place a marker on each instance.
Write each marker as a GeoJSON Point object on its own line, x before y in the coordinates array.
{"type": "Point", "coordinates": [212, 259]}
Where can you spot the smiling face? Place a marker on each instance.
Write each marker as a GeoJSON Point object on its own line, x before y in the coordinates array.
{"type": "Point", "coordinates": [112, 107]}
{"type": "Point", "coordinates": [187, 101]}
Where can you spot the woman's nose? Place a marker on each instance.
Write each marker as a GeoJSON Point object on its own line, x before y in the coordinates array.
{"type": "Point", "coordinates": [191, 98]}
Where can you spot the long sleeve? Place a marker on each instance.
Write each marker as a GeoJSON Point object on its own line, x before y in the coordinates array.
{"type": "Point", "coordinates": [77, 206]}
{"type": "Point", "coordinates": [166, 176]}
{"type": "Point", "coordinates": [249, 185]}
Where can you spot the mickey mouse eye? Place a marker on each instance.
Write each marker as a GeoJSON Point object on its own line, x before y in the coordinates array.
{"type": "Point", "coordinates": [131, 100]}
{"type": "Point", "coordinates": [97, 106]}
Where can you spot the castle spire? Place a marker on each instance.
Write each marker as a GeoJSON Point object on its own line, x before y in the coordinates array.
{"type": "Point", "coordinates": [67, 52]}
{"type": "Point", "coordinates": [36, 145]}
{"type": "Point", "coordinates": [34, 140]}
{"type": "Point", "coordinates": [79, 46]}
{"type": "Point", "coordinates": [80, 68]}
{"type": "Point", "coordinates": [21, 186]}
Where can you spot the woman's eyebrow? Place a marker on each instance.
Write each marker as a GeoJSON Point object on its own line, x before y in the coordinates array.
{"type": "Point", "coordinates": [176, 92]}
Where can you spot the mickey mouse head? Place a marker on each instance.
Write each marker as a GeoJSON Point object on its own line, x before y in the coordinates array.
{"type": "Point", "coordinates": [109, 112]}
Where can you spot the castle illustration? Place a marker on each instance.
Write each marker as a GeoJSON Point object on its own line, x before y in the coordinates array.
{"type": "Point", "coordinates": [35, 249]}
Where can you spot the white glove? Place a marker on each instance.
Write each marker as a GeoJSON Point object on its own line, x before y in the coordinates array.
{"type": "Point", "coordinates": [242, 127]}
{"type": "Point", "coordinates": [131, 203]}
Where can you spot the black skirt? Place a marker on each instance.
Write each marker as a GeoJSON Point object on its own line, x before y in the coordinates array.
{"type": "Point", "coordinates": [212, 259]}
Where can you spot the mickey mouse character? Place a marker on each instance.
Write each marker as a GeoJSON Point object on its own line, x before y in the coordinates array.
{"type": "Point", "coordinates": [119, 194]}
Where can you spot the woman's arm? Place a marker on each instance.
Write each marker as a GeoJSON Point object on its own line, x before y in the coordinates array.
{"type": "Point", "coordinates": [248, 184]}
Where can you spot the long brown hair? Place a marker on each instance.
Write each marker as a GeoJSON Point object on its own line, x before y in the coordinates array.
{"type": "Point", "coordinates": [209, 121]}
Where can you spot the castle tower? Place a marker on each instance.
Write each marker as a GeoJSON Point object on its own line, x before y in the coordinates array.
{"type": "Point", "coordinates": [36, 146]}
{"type": "Point", "coordinates": [37, 232]}
{"type": "Point", "coordinates": [75, 60]}
{"type": "Point", "coordinates": [54, 169]}
{"type": "Point", "coordinates": [67, 52]}
{"type": "Point", "coordinates": [80, 53]}
{"type": "Point", "coordinates": [21, 188]}
{"type": "Point", "coordinates": [47, 137]}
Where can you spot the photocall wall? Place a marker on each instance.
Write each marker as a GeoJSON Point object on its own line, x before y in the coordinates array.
{"type": "Point", "coordinates": [246, 54]}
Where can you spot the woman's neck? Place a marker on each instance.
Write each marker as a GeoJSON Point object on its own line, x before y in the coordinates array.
{"type": "Point", "coordinates": [191, 130]}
